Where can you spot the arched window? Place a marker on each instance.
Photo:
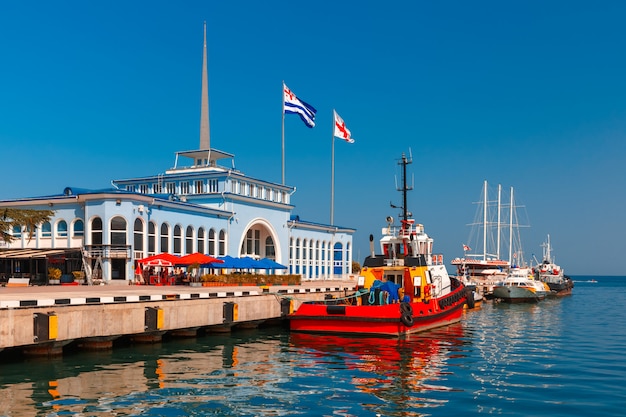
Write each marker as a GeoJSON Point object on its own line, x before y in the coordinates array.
{"type": "Point", "coordinates": [189, 240]}
{"type": "Point", "coordinates": [17, 231]}
{"type": "Point", "coordinates": [201, 240]}
{"type": "Point", "coordinates": [269, 248]}
{"type": "Point", "coordinates": [252, 243]}
{"type": "Point", "coordinates": [222, 243]}
{"type": "Point", "coordinates": [306, 260]}
{"type": "Point", "coordinates": [79, 228]}
{"type": "Point", "coordinates": [212, 250]}
{"type": "Point", "coordinates": [292, 257]}
{"type": "Point", "coordinates": [138, 235]}
{"type": "Point", "coordinates": [178, 237]}
{"type": "Point", "coordinates": [297, 256]}
{"type": "Point", "coordinates": [338, 259]}
{"type": "Point", "coordinates": [62, 228]}
{"type": "Point", "coordinates": [151, 237]}
{"type": "Point", "coordinates": [46, 230]}
{"type": "Point", "coordinates": [96, 231]}
{"type": "Point", "coordinates": [165, 238]}
{"type": "Point", "coordinates": [317, 258]}
{"type": "Point", "coordinates": [118, 231]}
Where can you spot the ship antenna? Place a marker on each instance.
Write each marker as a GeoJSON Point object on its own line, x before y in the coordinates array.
{"type": "Point", "coordinates": [405, 187]}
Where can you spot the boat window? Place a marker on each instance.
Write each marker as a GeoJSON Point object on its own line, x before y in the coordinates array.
{"type": "Point", "coordinates": [392, 278]}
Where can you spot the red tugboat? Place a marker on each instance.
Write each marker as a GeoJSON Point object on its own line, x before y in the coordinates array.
{"type": "Point", "coordinates": [404, 290]}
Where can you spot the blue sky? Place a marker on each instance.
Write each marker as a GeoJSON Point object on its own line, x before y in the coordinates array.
{"type": "Point", "coordinates": [528, 94]}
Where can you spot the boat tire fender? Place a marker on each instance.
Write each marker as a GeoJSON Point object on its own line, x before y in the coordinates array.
{"type": "Point", "coordinates": [470, 299]}
{"type": "Point", "coordinates": [406, 308]}
{"type": "Point", "coordinates": [407, 319]}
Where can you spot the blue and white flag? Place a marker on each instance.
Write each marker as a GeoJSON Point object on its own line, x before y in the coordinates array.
{"type": "Point", "coordinates": [293, 105]}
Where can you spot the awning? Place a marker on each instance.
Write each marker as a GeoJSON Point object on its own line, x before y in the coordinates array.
{"type": "Point", "coordinates": [34, 253]}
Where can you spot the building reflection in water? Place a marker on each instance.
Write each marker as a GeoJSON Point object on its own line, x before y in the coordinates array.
{"type": "Point", "coordinates": [252, 371]}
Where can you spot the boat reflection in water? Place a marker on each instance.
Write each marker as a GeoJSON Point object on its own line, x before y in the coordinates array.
{"type": "Point", "coordinates": [399, 372]}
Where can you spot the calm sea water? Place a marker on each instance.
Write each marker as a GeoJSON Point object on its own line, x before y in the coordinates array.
{"type": "Point", "coordinates": [560, 357]}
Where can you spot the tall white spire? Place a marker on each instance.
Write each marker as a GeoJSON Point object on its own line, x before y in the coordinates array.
{"type": "Point", "coordinates": [205, 131]}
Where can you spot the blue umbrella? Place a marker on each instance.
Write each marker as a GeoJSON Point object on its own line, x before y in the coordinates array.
{"type": "Point", "coordinates": [237, 263]}
{"type": "Point", "coordinates": [229, 262]}
{"type": "Point", "coordinates": [267, 263]}
{"type": "Point", "coordinates": [249, 263]}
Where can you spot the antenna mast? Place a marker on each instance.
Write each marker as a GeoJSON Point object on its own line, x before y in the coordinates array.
{"type": "Point", "coordinates": [404, 161]}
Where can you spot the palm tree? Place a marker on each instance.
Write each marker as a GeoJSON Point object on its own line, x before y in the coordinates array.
{"type": "Point", "coordinates": [11, 217]}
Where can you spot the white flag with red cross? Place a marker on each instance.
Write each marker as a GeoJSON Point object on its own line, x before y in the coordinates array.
{"type": "Point", "coordinates": [341, 131]}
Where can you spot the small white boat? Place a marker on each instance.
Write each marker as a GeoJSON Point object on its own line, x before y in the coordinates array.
{"type": "Point", "coordinates": [520, 287]}
{"type": "Point", "coordinates": [552, 274]}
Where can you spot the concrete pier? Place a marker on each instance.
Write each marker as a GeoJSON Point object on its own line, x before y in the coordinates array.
{"type": "Point", "coordinates": [41, 320]}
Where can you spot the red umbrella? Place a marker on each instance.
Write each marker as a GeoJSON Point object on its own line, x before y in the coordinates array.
{"type": "Point", "coordinates": [161, 259]}
{"type": "Point", "coordinates": [197, 258]}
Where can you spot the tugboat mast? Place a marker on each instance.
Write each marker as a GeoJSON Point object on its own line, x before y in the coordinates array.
{"type": "Point", "coordinates": [404, 161]}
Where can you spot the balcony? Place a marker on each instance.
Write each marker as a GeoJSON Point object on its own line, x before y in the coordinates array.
{"type": "Point", "coordinates": [108, 251]}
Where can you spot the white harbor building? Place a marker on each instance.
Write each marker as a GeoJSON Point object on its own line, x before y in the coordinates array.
{"type": "Point", "coordinates": [201, 204]}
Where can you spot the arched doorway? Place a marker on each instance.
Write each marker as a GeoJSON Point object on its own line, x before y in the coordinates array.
{"type": "Point", "coordinates": [118, 240]}
{"type": "Point", "coordinates": [259, 241]}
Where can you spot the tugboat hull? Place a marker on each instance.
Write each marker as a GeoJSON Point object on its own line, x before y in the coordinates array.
{"type": "Point", "coordinates": [391, 320]}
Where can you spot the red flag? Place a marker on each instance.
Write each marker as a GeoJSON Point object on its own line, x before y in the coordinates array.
{"type": "Point", "coordinates": [466, 248]}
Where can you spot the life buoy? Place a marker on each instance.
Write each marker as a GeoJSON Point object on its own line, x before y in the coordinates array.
{"type": "Point", "coordinates": [407, 320]}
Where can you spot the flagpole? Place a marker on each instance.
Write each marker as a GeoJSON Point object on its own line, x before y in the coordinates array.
{"type": "Point", "coordinates": [332, 172]}
{"type": "Point", "coordinates": [331, 272]}
{"type": "Point", "coordinates": [283, 136]}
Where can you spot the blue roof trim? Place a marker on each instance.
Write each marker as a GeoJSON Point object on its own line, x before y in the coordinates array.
{"type": "Point", "coordinates": [67, 191]}
{"type": "Point", "coordinates": [296, 218]}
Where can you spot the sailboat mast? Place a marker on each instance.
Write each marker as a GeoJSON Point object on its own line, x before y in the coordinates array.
{"type": "Point", "coordinates": [499, 220]}
{"type": "Point", "coordinates": [511, 230]}
{"type": "Point", "coordinates": [485, 221]}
